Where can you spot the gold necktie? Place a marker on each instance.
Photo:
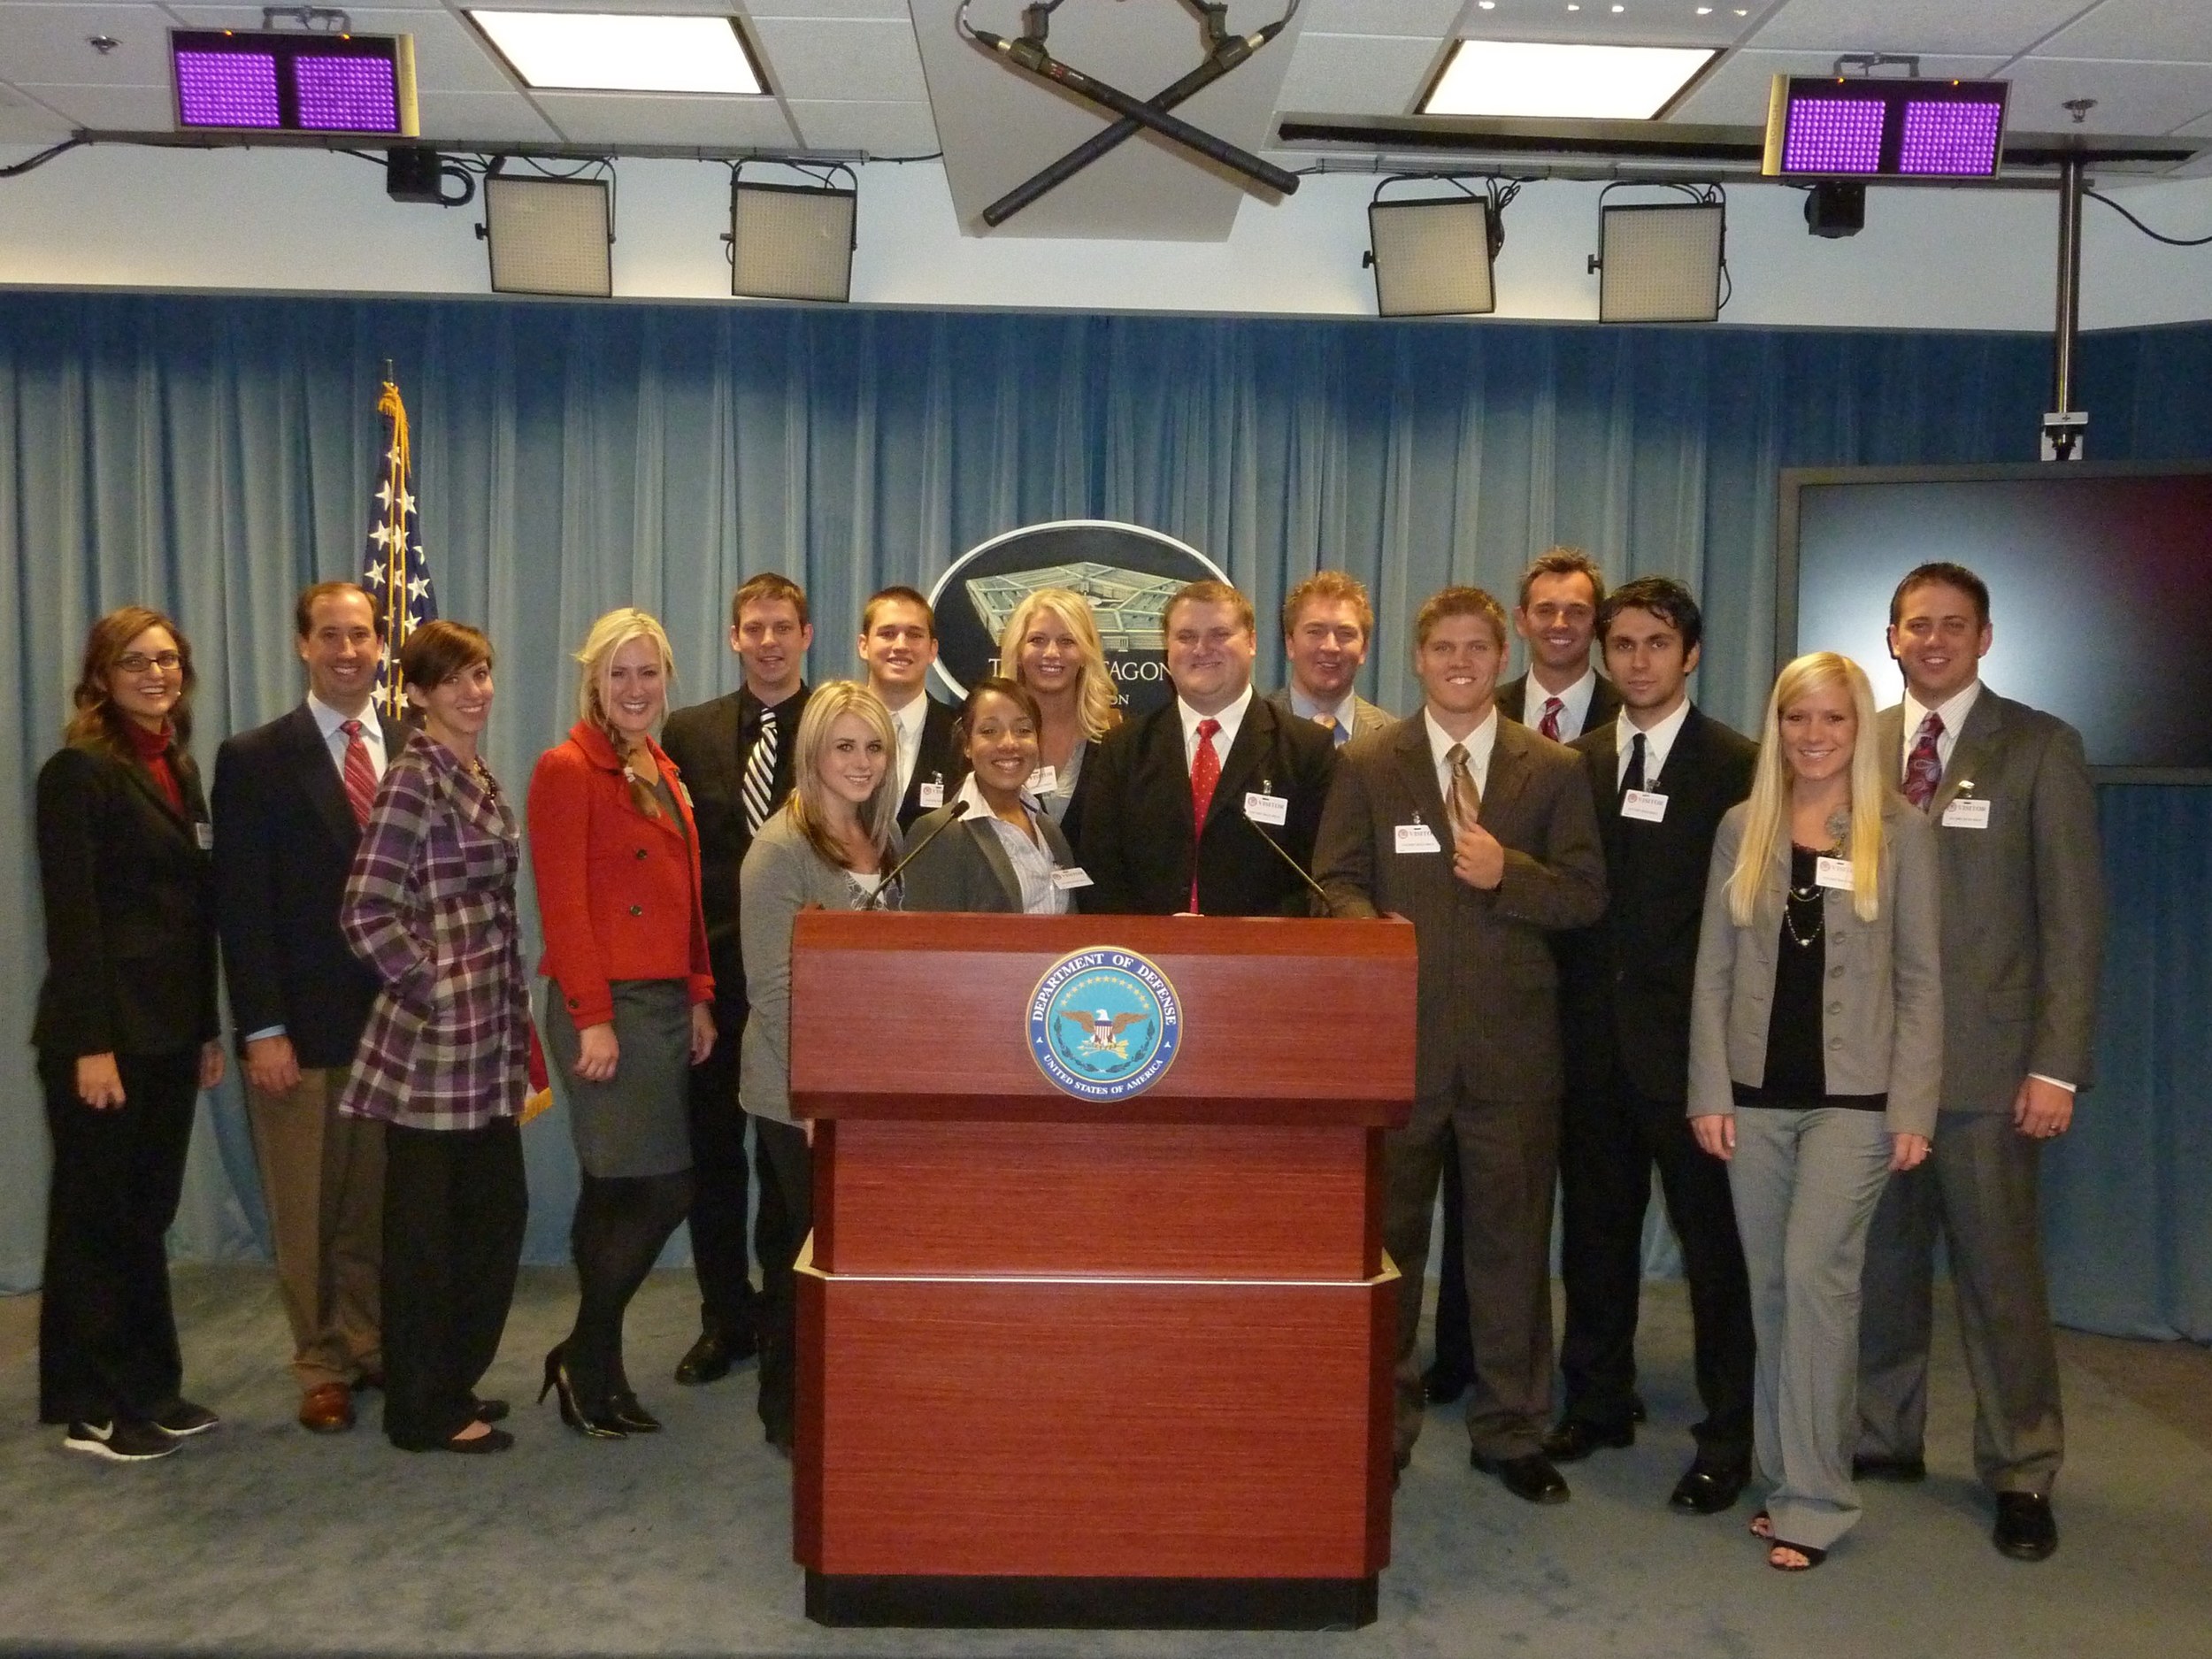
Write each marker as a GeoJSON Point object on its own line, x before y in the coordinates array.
{"type": "Point", "coordinates": [1466, 801]}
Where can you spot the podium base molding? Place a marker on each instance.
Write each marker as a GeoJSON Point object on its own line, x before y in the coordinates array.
{"type": "Point", "coordinates": [978, 1602]}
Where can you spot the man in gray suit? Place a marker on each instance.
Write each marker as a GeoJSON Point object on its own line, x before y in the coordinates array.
{"type": "Point", "coordinates": [1482, 834]}
{"type": "Point", "coordinates": [2022, 940]}
{"type": "Point", "coordinates": [1327, 627]}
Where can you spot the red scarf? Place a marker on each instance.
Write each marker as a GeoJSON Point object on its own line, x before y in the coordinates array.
{"type": "Point", "coordinates": [153, 752]}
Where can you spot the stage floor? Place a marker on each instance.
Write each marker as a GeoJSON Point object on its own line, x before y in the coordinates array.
{"type": "Point", "coordinates": [262, 1539]}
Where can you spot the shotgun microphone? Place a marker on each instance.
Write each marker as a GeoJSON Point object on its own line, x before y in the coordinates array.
{"type": "Point", "coordinates": [952, 813]}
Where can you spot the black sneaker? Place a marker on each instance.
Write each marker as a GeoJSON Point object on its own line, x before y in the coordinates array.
{"type": "Point", "coordinates": [119, 1440]}
{"type": "Point", "coordinates": [183, 1419]}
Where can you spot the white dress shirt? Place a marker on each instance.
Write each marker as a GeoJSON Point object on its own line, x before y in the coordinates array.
{"type": "Point", "coordinates": [1232, 719]}
{"type": "Point", "coordinates": [1306, 709]}
{"type": "Point", "coordinates": [1480, 743]}
{"type": "Point", "coordinates": [1658, 744]}
{"type": "Point", "coordinates": [1032, 859]}
{"type": "Point", "coordinates": [1575, 699]}
{"type": "Point", "coordinates": [328, 720]}
{"type": "Point", "coordinates": [907, 724]}
{"type": "Point", "coordinates": [1953, 714]}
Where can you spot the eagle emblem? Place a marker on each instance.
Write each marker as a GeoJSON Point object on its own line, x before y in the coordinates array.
{"type": "Point", "coordinates": [1104, 1022]}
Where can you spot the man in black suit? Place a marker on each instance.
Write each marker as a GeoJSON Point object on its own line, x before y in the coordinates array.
{"type": "Point", "coordinates": [1557, 617]}
{"type": "Point", "coordinates": [734, 754]}
{"type": "Point", "coordinates": [1663, 774]}
{"type": "Point", "coordinates": [1185, 793]}
{"type": "Point", "coordinates": [898, 644]}
{"type": "Point", "coordinates": [290, 799]}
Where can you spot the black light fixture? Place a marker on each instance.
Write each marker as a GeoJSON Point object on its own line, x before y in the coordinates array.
{"type": "Point", "coordinates": [326, 80]}
{"type": "Point", "coordinates": [416, 173]}
{"type": "Point", "coordinates": [1836, 208]}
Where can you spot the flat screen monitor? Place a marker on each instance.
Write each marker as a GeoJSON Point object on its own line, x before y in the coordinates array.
{"type": "Point", "coordinates": [2100, 591]}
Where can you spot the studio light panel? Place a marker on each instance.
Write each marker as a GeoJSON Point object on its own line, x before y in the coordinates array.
{"type": "Point", "coordinates": [274, 80]}
{"type": "Point", "coordinates": [1432, 259]}
{"type": "Point", "coordinates": [1660, 263]}
{"type": "Point", "coordinates": [791, 242]}
{"type": "Point", "coordinates": [1837, 127]}
{"type": "Point", "coordinates": [550, 236]}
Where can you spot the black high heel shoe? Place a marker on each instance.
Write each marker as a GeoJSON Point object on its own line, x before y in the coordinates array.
{"type": "Point", "coordinates": [572, 1413]}
{"type": "Point", "coordinates": [625, 1412]}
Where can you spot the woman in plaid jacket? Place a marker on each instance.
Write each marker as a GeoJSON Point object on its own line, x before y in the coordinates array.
{"type": "Point", "coordinates": [431, 907]}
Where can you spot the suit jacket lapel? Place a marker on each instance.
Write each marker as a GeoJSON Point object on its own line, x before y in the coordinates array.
{"type": "Point", "coordinates": [1970, 754]}
{"type": "Point", "coordinates": [1603, 758]}
{"type": "Point", "coordinates": [1509, 769]}
{"type": "Point", "coordinates": [326, 790]}
{"type": "Point", "coordinates": [1241, 766]}
{"type": "Point", "coordinates": [988, 842]}
{"type": "Point", "coordinates": [1417, 767]}
{"type": "Point", "coordinates": [143, 781]}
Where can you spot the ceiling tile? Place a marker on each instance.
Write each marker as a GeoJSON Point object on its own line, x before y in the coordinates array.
{"type": "Point", "coordinates": [113, 109]}
{"type": "Point", "coordinates": [2132, 98]}
{"type": "Point", "coordinates": [1967, 28]}
{"type": "Point", "coordinates": [883, 129]}
{"type": "Point", "coordinates": [48, 44]}
{"type": "Point", "coordinates": [1675, 23]}
{"type": "Point", "coordinates": [1432, 20]}
{"type": "Point", "coordinates": [1358, 74]}
{"type": "Point", "coordinates": [488, 115]}
{"type": "Point", "coordinates": [2148, 31]}
{"type": "Point", "coordinates": [449, 56]}
{"type": "Point", "coordinates": [24, 121]}
{"type": "Point", "coordinates": [870, 60]}
{"type": "Point", "coordinates": [619, 118]}
{"type": "Point", "coordinates": [1736, 91]}
{"type": "Point", "coordinates": [826, 9]}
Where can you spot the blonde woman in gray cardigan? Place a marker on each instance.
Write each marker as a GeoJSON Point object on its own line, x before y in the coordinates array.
{"type": "Point", "coordinates": [1816, 1050]}
{"type": "Point", "coordinates": [830, 846]}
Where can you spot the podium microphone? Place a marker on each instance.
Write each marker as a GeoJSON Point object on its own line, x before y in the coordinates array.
{"type": "Point", "coordinates": [952, 812]}
{"type": "Point", "coordinates": [1283, 853]}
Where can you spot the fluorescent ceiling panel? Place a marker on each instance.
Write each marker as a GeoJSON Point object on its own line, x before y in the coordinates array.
{"type": "Point", "coordinates": [598, 51]}
{"type": "Point", "coordinates": [1527, 78]}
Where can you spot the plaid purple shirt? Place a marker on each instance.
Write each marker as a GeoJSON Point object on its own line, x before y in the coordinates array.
{"type": "Point", "coordinates": [431, 907]}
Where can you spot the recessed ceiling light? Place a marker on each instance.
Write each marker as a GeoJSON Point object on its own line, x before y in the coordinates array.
{"type": "Point", "coordinates": [598, 51]}
{"type": "Point", "coordinates": [1630, 83]}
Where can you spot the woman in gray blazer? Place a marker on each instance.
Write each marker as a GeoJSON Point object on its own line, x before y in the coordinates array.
{"type": "Point", "coordinates": [1816, 1052]}
{"type": "Point", "coordinates": [830, 845]}
{"type": "Point", "coordinates": [1006, 854]}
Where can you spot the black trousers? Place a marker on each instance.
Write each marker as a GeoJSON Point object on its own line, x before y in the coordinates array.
{"type": "Point", "coordinates": [787, 1181]}
{"type": "Point", "coordinates": [1611, 1138]}
{"type": "Point", "coordinates": [454, 1202]}
{"type": "Point", "coordinates": [719, 1196]}
{"type": "Point", "coordinates": [107, 1334]}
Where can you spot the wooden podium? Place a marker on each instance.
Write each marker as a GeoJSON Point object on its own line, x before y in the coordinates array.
{"type": "Point", "coordinates": [1074, 1363]}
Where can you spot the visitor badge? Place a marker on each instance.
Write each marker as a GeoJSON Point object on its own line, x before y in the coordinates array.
{"type": "Point", "coordinates": [934, 794]}
{"type": "Point", "coordinates": [1071, 877]}
{"type": "Point", "coordinates": [1965, 813]}
{"type": "Point", "coordinates": [1044, 780]}
{"type": "Point", "coordinates": [1833, 872]}
{"type": "Point", "coordinates": [1417, 837]}
{"type": "Point", "coordinates": [203, 832]}
{"type": "Point", "coordinates": [1267, 809]}
{"type": "Point", "coordinates": [1646, 805]}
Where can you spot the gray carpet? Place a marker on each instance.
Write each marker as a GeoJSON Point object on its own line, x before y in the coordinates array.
{"type": "Point", "coordinates": [261, 1540]}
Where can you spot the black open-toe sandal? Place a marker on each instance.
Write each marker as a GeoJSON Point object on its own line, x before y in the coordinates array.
{"type": "Point", "coordinates": [1813, 1557]}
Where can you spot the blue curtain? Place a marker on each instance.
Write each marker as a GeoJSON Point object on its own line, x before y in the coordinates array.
{"type": "Point", "coordinates": [211, 455]}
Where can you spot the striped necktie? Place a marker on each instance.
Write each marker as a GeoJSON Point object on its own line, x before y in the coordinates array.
{"type": "Point", "coordinates": [760, 774]}
{"type": "Point", "coordinates": [359, 774]}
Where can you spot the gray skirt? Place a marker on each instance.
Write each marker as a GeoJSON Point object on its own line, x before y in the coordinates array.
{"type": "Point", "coordinates": [637, 1122]}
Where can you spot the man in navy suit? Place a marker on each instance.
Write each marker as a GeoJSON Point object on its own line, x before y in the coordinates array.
{"type": "Point", "coordinates": [290, 799]}
{"type": "Point", "coordinates": [898, 646]}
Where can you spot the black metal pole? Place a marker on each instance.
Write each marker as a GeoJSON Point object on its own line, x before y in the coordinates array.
{"type": "Point", "coordinates": [2068, 329]}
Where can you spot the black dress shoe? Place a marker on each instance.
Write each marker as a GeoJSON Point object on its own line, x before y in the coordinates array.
{"type": "Point", "coordinates": [2026, 1530]}
{"type": "Point", "coordinates": [1573, 1439]}
{"type": "Point", "coordinates": [1442, 1384]}
{"type": "Point", "coordinates": [1904, 1469]}
{"type": "Point", "coordinates": [710, 1357]}
{"type": "Point", "coordinates": [1530, 1479]}
{"type": "Point", "coordinates": [490, 1410]}
{"type": "Point", "coordinates": [1708, 1488]}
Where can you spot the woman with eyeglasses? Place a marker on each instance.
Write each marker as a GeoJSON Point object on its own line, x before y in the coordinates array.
{"type": "Point", "coordinates": [125, 1035]}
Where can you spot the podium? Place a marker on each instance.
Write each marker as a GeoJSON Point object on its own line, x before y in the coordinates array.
{"type": "Point", "coordinates": [1100, 1351]}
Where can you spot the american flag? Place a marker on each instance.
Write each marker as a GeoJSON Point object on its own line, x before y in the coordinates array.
{"type": "Point", "coordinates": [393, 569]}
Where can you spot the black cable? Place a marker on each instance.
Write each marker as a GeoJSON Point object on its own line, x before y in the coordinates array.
{"type": "Point", "coordinates": [2171, 241]}
{"type": "Point", "coordinates": [41, 159]}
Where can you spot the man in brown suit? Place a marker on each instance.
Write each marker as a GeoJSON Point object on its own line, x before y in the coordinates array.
{"type": "Point", "coordinates": [1481, 832]}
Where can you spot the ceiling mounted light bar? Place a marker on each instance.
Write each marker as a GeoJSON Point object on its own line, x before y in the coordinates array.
{"type": "Point", "coordinates": [1833, 126]}
{"type": "Point", "coordinates": [1028, 51]}
{"type": "Point", "coordinates": [1224, 52]}
{"type": "Point", "coordinates": [278, 81]}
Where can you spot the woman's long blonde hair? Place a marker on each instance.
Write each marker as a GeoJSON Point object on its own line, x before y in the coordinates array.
{"type": "Point", "coordinates": [609, 635]}
{"type": "Point", "coordinates": [826, 705]}
{"type": "Point", "coordinates": [1766, 823]}
{"type": "Point", "coordinates": [1094, 688]}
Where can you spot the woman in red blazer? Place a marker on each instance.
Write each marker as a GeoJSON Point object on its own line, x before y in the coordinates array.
{"type": "Point", "coordinates": [628, 998]}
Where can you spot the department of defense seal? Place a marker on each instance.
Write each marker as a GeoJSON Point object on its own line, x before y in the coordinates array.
{"type": "Point", "coordinates": [1103, 1024]}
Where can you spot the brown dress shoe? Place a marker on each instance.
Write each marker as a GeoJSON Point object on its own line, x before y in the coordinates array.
{"type": "Point", "coordinates": [326, 1408]}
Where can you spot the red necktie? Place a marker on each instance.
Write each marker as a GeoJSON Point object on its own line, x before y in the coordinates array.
{"type": "Point", "coordinates": [1550, 726]}
{"type": "Point", "coordinates": [360, 776]}
{"type": "Point", "coordinates": [1205, 772]}
{"type": "Point", "coordinates": [1924, 767]}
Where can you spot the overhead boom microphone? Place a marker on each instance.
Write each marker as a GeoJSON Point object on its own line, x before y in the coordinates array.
{"type": "Point", "coordinates": [1029, 52]}
{"type": "Point", "coordinates": [952, 811]}
{"type": "Point", "coordinates": [1227, 53]}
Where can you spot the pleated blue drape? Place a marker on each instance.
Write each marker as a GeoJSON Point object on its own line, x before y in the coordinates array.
{"type": "Point", "coordinates": [211, 455]}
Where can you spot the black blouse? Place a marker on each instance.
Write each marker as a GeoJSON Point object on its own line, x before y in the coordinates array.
{"type": "Point", "coordinates": [1796, 1073]}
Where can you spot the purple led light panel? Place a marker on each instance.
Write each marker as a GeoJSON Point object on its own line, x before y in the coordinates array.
{"type": "Point", "coordinates": [1951, 138]}
{"type": "Point", "coordinates": [346, 95]}
{"type": "Point", "coordinates": [227, 89]}
{"type": "Point", "coordinates": [1832, 135]}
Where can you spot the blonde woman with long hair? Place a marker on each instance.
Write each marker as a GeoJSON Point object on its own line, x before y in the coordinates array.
{"type": "Point", "coordinates": [1050, 648]}
{"type": "Point", "coordinates": [831, 845]}
{"type": "Point", "coordinates": [629, 995]}
{"type": "Point", "coordinates": [1816, 1052]}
